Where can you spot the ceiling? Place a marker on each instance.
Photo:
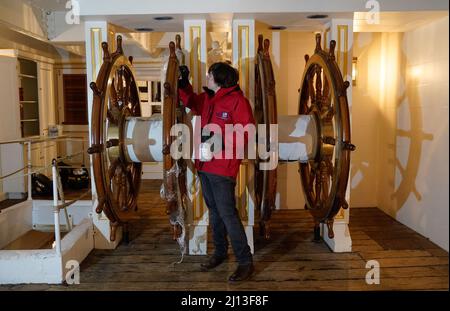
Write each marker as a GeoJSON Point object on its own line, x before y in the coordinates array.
{"type": "Point", "coordinates": [401, 17]}
{"type": "Point", "coordinates": [71, 36]}
{"type": "Point", "coordinates": [49, 5]}
{"type": "Point", "coordinates": [388, 21]}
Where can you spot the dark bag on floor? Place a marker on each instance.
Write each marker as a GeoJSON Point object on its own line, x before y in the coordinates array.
{"type": "Point", "coordinates": [41, 185]}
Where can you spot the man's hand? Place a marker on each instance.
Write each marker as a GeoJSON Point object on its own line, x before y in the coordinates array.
{"type": "Point", "coordinates": [183, 80]}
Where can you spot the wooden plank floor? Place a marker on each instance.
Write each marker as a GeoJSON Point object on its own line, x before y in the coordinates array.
{"type": "Point", "coordinates": [289, 261]}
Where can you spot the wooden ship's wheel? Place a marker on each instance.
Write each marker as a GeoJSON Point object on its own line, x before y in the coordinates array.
{"type": "Point", "coordinates": [265, 113]}
{"type": "Point", "coordinates": [323, 95]}
{"type": "Point", "coordinates": [174, 171]}
{"type": "Point", "coordinates": [323, 106]}
{"type": "Point", "coordinates": [116, 97]}
{"type": "Point", "coordinates": [121, 139]}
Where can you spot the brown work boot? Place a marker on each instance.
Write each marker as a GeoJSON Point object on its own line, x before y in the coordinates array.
{"type": "Point", "coordinates": [242, 273]}
{"type": "Point", "coordinates": [212, 262]}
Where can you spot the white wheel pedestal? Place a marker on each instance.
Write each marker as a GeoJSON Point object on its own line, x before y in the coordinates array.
{"type": "Point", "coordinates": [198, 236]}
{"type": "Point", "coordinates": [249, 232]}
{"type": "Point", "coordinates": [342, 241]}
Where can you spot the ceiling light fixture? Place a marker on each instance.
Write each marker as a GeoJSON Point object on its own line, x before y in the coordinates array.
{"type": "Point", "coordinates": [143, 29]}
{"type": "Point", "coordinates": [317, 16]}
{"type": "Point", "coordinates": [277, 27]}
{"type": "Point", "coordinates": [163, 18]}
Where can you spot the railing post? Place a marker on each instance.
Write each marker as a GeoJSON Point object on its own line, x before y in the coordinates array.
{"type": "Point", "coordinates": [56, 208]}
{"type": "Point", "coordinates": [30, 189]}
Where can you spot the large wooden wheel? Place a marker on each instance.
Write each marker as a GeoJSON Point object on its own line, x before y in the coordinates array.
{"type": "Point", "coordinates": [174, 171]}
{"type": "Point", "coordinates": [265, 113]}
{"type": "Point", "coordinates": [116, 98]}
{"type": "Point", "coordinates": [324, 177]}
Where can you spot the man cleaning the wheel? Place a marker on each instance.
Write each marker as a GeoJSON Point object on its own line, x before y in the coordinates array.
{"type": "Point", "coordinates": [222, 103]}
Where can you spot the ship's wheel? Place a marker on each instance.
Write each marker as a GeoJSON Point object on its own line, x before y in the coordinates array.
{"type": "Point", "coordinates": [116, 97]}
{"type": "Point", "coordinates": [265, 114]}
{"type": "Point", "coordinates": [323, 96]}
{"type": "Point", "coordinates": [122, 140]}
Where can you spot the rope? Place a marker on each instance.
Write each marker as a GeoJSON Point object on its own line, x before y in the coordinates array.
{"type": "Point", "coordinates": [178, 217]}
{"type": "Point", "coordinates": [64, 205]}
{"type": "Point", "coordinates": [42, 168]}
{"type": "Point", "coordinates": [13, 173]}
{"type": "Point", "coordinates": [70, 156]}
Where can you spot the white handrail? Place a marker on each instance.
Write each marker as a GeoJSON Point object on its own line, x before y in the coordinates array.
{"type": "Point", "coordinates": [34, 140]}
{"type": "Point", "coordinates": [56, 209]}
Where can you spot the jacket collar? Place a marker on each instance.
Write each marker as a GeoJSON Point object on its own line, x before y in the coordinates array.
{"type": "Point", "coordinates": [222, 92]}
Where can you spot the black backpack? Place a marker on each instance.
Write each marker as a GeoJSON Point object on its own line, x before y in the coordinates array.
{"type": "Point", "coordinates": [41, 185]}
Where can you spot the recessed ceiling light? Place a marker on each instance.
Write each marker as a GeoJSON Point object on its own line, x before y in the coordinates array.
{"type": "Point", "coordinates": [163, 18]}
{"type": "Point", "coordinates": [277, 27]}
{"type": "Point", "coordinates": [143, 29]}
{"type": "Point", "coordinates": [317, 16]}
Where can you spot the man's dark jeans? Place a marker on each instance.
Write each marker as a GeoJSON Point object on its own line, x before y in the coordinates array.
{"type": "Point", "coordinates": [218, 192]}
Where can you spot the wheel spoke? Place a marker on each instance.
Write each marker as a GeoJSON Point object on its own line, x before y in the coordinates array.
{"type": "Point", "coordinates": [326, 90]}
{"type": "Point", "coordinates": [312, 93]}
{"type": "Point", "coordinates": [324, 182]}
{"type": "Point", "coordinates": [125, 194]}
{"type": "Point", "coordinates": [318, 87]}
{"type": "Point", "coordinates": [130, 180]}
{"type": "Point", "coordinates": [112, 168]}
{"type": "Point", "coordinates": [111, 117]}
{"type": "Point", "coordinates": [113, 92]}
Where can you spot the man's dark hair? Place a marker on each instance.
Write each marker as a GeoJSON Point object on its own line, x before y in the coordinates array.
{"type": "Point", "coordinates": [224, 74]}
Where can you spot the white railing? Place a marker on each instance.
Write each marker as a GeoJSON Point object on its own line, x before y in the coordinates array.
{"type": "Point", "coordinates": [59, 201]}
{"type": "Point", "coordinates": [58, 189]}
{"type": "Point", "coordinates": [29, 167]}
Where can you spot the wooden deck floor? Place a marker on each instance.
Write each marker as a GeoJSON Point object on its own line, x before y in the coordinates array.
{"type": "Point", "coordinates": [289, 261]}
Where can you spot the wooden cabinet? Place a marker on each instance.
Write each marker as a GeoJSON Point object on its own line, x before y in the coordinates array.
{"type": "Point", "coordinates": [28, 105]}
{"type": "Point", "coordinates": [27, 72]}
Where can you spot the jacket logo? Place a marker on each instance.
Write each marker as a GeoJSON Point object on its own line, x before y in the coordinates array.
{"type": "Point", "coordinates": [223, 115]}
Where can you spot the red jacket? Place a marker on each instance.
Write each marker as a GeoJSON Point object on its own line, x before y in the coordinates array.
{"type": "Point", "coordinates": [227, 106]}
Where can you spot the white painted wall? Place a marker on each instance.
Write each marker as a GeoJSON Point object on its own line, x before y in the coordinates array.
{"type": "Point", "coordinates": [368, 119]}
{"type": "Point", "coordinates": [400, 127]}
{"type": "Point", "coordinates": [425, 208]}
{"type": "Point", "coordinates": [9, 129]}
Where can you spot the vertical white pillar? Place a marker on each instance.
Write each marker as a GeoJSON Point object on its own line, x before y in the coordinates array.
{"type": "Point", "coordinates": [97, 32]}
{"type": "Point", "coordinates": [244, 60]}
{"type": "Point", "coordinates": [195, 58]}
{"type": "Point", "coordinates": [341, 30]}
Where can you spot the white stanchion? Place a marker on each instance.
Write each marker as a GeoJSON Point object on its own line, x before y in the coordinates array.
{"type": "Point", "coordinates": [56, 209]}
{"type": "Point", "coordinates": [30, 189]}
